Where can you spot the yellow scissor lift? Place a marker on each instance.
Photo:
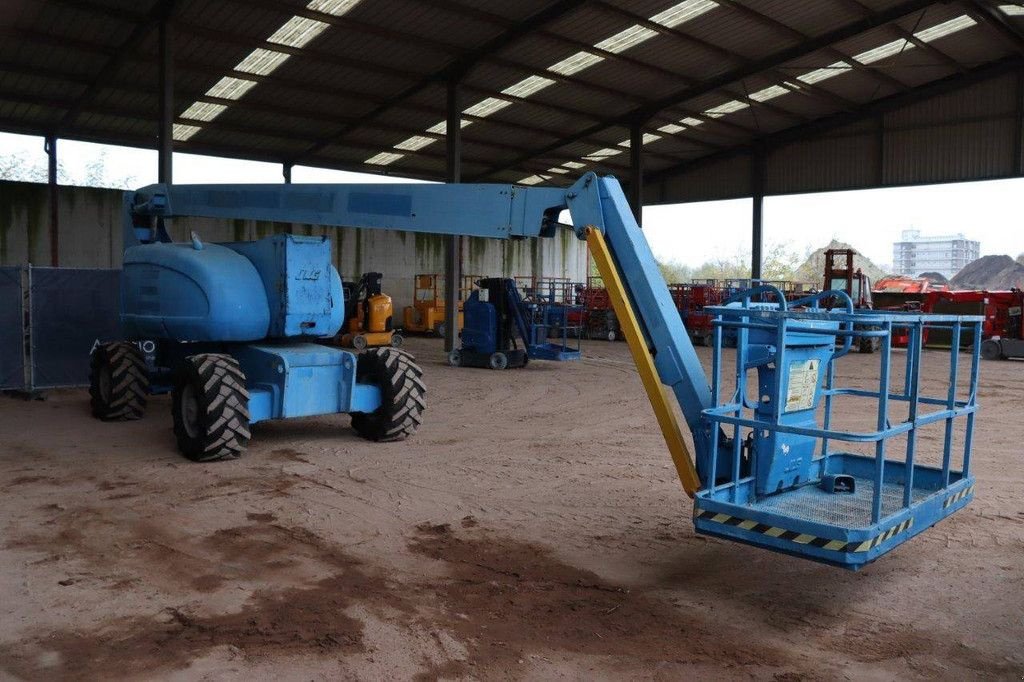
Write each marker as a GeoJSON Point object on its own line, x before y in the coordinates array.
{"type": "Point", "coordinates": [426, 314]}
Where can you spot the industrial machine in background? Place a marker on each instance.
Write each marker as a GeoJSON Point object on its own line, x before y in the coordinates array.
{"type": "Point", "coordinates": [598, 319]}
{"type": "Point", "coordinates": [503, 331]}
{"type": "Point", "coordinates": [233, 324]}
{"type": "Point", "coordinates": [1008, 341]}
{"type": "Point", "coordinates": [840, 275]}
{"type": "Point", "coordinates": [426, 314]}
{"type": "Point", "coordinates": [694, 301]}
{"type": "Point", "coordinates": [368, 314]}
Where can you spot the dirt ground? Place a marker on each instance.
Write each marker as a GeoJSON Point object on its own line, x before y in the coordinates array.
{"type": "Point", "coordinates": [533, 529]}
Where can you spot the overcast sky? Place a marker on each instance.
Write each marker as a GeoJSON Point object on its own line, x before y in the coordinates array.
{"type": "Point", "coordinates": [686, 233]}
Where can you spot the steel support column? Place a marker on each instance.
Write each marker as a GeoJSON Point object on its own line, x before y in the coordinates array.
{"type": "Point", "coordinates": [54, 197]}
{"type": "Point", "coordinates": [453, 244]}
{"type": "Point", "coordinates": [636, 171]}
{"type": "Point", "coordinates": [166, 131]}
{"type": "Point", "coordinates": [286, 171]}
{"type": "Point", "coordinates": [757, 192]}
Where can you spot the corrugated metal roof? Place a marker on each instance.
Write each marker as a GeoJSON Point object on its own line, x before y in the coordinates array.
{"type": "Point", "coordinates": [546, 84]}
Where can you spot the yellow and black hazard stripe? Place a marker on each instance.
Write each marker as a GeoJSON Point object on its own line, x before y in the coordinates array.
{"type": "Point", "coordinates": [803, 538]}
{"type": "Point", "coordinates": [953, 499]}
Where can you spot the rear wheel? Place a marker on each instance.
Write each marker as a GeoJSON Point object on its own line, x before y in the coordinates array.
{"type": "Point", "coordinates": [397, 340]}
{"type": "Point", "coordinates": [455, 358]}
{"type": "Point", "coordinates": [497, 360]}
{"type": "Point", "coordinates": [403, 395]}
{"type": "Point", "coordinates": [991, 350]}
{"type": "Point", "coordinates": [210, 408]}
{"type": "Point", "coordinates": [359, 342]}
{"type": "Point", "coordinates": [118, 382]}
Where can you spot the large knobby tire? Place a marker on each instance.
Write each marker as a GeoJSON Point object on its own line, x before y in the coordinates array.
{"type": "Point", "coordinates": [403, 395]}
{"type": "Point", "coordinates": [210, 408]}
{"type": "Point", "coordinates": [118, 382]}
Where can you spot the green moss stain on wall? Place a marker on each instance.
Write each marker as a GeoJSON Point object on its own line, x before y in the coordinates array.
{"type": "Point", "coordinates": [429, 252]}
{"type": "Point", "coordinates": [477, 261]}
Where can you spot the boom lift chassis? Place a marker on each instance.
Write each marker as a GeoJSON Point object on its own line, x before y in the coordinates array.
{"type": "Point", "coordinates": [766, 469]}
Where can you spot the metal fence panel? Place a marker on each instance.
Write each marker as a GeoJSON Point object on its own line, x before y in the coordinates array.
{"type": "Point", "coordinates": [71, 310]}
{"type": "Point", "coordinates": [12, 330]}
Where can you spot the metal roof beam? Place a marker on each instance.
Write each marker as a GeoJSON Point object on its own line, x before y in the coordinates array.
{"type": "Point", "coordinates": [160, 12]}
{"type": "Point", "coordinates": [811, 46]}
{"type": "Point", "coordinates": [859, 6]}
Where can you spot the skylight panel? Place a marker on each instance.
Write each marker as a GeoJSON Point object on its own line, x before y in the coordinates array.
{"type": "Point", "coordinates": [683, 12]}
{"type": "Point", "coordinates": [414, 143]}
{"type": "Point", "coordinates": [818, 75]}
{"type": "Point", "coordinates": [575, 63]}
{"type": "Point", "coordinates": [727, 108]}
{"type": "Point", "coordinates": [262, 62]}
{"type": "Point", "coordinates": [692, 122]}
{"type": "Point", "coordinates": [487, 107]}
{"type": "Point", "coordinates": [1012, 10]}
{"type": "Point", "coordinates": [648, 138]}
{"type": "Point", "coordinates": [602, 154]}
{"type": "Point", "coordinates": [574, 165]}
{"type": "Point", "coordinates": [335, 7]}
{"type": "Point", "coordinates": [768, 93]}
{"type": "Point", "coordinates": [531, 180]}
{"type": "Point", "coordinates": [182, 132]}
{"type": "Point", "coordinates": [946, 28]}
{"type": "Point", "coordinates": [882, 51]}
{"type": "Point", "coordinates": [203, 111]}
{"type": "Point", "coordinates": [298, 32]}
{"type": "Point", "coordinates": [671, 129]}
{"type": "Point", "coordinates": [383, 159]}
{"type": "Point", "coordinates": [230, 88]}
{"type": "Point", "coordinates": [527, 86]}
{"type": "Point", "coordinates": [559, 171]}
{"type": "Point", "coordinates": [623, 40]}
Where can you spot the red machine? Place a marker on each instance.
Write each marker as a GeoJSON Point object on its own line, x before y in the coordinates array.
{"type": "Point", "coordinates": [1004, 318]}
{"type": "Point", "coordinates": [691, 300]}
{"type": "Point", "coordinates": [598, 317]}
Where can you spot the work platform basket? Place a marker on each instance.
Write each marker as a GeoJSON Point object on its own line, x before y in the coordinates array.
{"type": "Point", "coordinates": [786, 474]}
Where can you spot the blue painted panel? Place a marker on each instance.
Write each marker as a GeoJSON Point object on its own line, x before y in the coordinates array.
{"type": "Point", "coordinates": [179, 292]}
{"type": "Point", "coordinates": [302, 286]}
{"type": "Point", "coordinates": [302, 380]}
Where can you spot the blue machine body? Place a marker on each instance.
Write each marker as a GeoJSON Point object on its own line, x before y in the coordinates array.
{"type": "Point", "coordinates": [771, 472]}
{"type": "Point", "coordinates": [489, 327]}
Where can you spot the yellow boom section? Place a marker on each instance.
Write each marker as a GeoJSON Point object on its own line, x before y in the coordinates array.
{"type": "Point", "coordinates": [644, 362]}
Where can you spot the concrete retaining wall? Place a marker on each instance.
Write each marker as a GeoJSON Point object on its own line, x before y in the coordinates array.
{"type": "Point", "coordinates": [90, 237]}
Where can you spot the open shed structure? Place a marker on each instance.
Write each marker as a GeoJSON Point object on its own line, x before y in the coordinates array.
{"type": "Point", "coordinates": [686, 101]}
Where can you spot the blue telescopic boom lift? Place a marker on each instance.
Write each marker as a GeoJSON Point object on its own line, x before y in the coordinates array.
{"type": "Point", "coordinates": [235, 326]}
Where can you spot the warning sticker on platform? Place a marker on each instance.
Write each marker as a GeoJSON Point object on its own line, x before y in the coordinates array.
{"type": "Point", "coordinates": [803, 382]}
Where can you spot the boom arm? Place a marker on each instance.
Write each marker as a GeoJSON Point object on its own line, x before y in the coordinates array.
{"type": "Point", "coordinates": [600, 213]}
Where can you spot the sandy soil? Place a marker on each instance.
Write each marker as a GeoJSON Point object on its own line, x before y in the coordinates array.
{"type": "Point", "coordinates": [533, 529]}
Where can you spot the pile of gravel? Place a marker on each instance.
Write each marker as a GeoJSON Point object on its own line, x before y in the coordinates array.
{"type": "Point", "coordinates": [992, 273]}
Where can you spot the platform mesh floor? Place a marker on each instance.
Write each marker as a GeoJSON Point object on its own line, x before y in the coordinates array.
{"type": "Point", "coordinates": [811, 503]}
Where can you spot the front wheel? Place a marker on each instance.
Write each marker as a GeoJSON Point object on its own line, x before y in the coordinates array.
{"type": "Point", "coordinates": [611, 335]}
{"type": "Point", "coordinates": [497, 360]}
{"type": "Point", "coordinates": [210, 406]}
{"type": "Point", "coordinates": [991, 350]}
{"type": "Point", "coordinates": [359, 342]}
{"type": "Point", "coordinates": [455, 358]}
{"type": "Point", "coordinates": [397, 340]}
{"type": "Point", "coordinates": [118, 382]}
{"type": "Point", "coordinates": [402, 394]}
